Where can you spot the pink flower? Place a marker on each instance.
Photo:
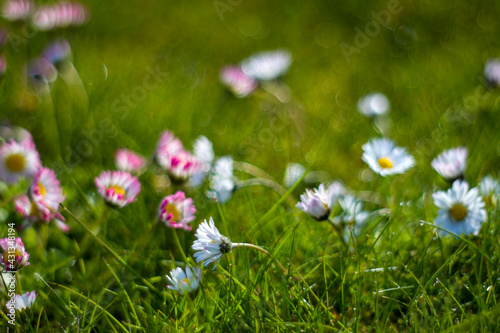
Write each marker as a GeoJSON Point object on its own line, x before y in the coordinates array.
{"type": "Point", "coordinates": [171, 156]}
{"type": "Point", "coordinates": [14, 255]}
{"type": "Point", "coordinates": [118, 188]}
{"type": "Point", "coordinates": [237, 81]}
{"type": "Point", "coordinates": [14, 10]}
{"type": "Point", "coordinates": [183, 165]}
{"type": "Point", "coordinates": [60, 15]}
{"type": "Point", "coordinates": [129, 161]}
{"type": "Point", "coordinates": [177, 211]}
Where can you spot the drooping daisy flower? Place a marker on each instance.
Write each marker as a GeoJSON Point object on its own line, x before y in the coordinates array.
{"type": "Point", "coordinates": [374, 104]}
{"type": "Point", "coordinates": [267, 65]}
{"type": "Point", "coordinates": [383, 157]}
{"type": "Point", "coordinates": [118, 188]}
{"type": "Point", "coordinates": [168, 146]}
{"type": "Point", "coordinates": [60, 15]}
{"type": "Point", "coordinates": [129, 161]}
{"type": "Point", "coordinates": [489, 189]}
{"type": "Point", "coordinates": [492, 72]}
{"type": "Point", "coordinates": [293, 173]}
{"type": "Point", "coordinates": [57, 51]}
{"type": "Point", "coordinates": [30, 212]}
{"type": "Point", "coordinates": [16, 258]}
{"type": "Point", "coordinates": [317, 203]}
{"type": "Point", "coordinates": [177, 211]}
{"type": "Point", "coordinates": [352, 211]}
{"type": "Point", "coordinates": [461, 210]}
{"type": "Point", "coordinates": [14, 10]}
{"type": "Point", "coordinates": [222, 181]}
{"type": "Point", "coordinates": [239, 83]}
{"type": "Point", "coordinates": [210, 245]}
{"type": "Point", "coordinates": [204, 153]}
{"type": "Point", "coordinates": [451, 163]}
{"type": "Point", "coordinates": [183, 165]}
{"type": "Point", "coordinates": [25, 301]}
{"type": "Point", "coordinates": [184, 282]}
{"type": "Point", "coordinates": [41, 71]}
{"type": "Point", "coordinates": [18, 160]}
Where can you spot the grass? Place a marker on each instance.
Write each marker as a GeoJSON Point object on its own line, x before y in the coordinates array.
{"type": "Point", "coordinates": [400, 274]}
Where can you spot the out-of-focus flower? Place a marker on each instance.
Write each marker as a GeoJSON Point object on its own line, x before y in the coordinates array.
{"type": "Point", "coordinates": [451, 163]}
{"type": "Point", "coordinates": [16, 133]}
{"type": "Point", "coordinates": [492, 72]}
{"type": "Point", "coordinates": [383, 157]}
{"type": "Point", "coordinates": [267, 65]}
{"type": "Point", "coordinates": [222, 181]}
{"type": "Point", "coordinates": [374, 104]}
{"type": "Point", "coordinates": [293, 173]}
{"type": "Point", "coordinates": [30, 212]}
{"type": "Point", "coordinates": [118, 188]}
{"type": "Point", "coordinates": [489, 189]}
{"type": "Point", "coordinates": [57, 51]}
{"type": "Point", "coordinates": [210, 245]}
{"type": "Point", "coordinates": [40, 70]}
{"type": "Point", "coordinates": [183, 165]}
{"type": "Point", "coordinates": [18, 160]}
{"type": "Point", "coordinates": [3, 64]}
{"type": "Point", "coordinates": [4, 36]}
{"type": "Point", "coordinates": [203, 152]}
{"type": "Point", "coordinates": [25, 301]}
{"type": "Point", "coordinates": [177, 211]}
{"type": "Point", "coordinates": [60, 15]}
{"type": "Point", "coordinates": [352, 211]}
{"type": "Point", "coordinates": [461, 210]}
{"type": "Point", "coordinates": [14, 255]}
{"type": "Point", "coordinates": [129, 161]}
{"type": "Point", "coordinates": [14, 10]}
{"type": "Point", "coordinates": [317, 203]}
{"type": "Point", "coordinates": [239, 83]}
{"type": "Point", "coordinates": [184, 282]}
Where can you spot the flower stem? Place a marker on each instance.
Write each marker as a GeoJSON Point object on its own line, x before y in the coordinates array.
{"type": "Point", "coordinates": [178, 243]}
{"type": "Point", "coordinates": [255, 247]}
{"type": "Point", "coordinates": [110, 250]}
{"type": "Point", "coordinates": [265, 182]}
{"type": "Point", "coordinates": [340, 232]}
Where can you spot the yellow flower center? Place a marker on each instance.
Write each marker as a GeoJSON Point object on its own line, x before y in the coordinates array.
{"type": "Point", "coordinates": [42, 189]}
{"type": "Point", "coordinates": [117, 189]}
{"type": "Point", "coordinates": [172, 209]}
{"type": "Point", "coordinates": [458, 212]}
{"type": "Point", "coordinates": [186, 280]}
{"type": "Point", "coordinates": [385, 163]}
{"type": "Point", "coordinates": [6, 258]}
{"type": "Point", "coordinates": [15, 162]}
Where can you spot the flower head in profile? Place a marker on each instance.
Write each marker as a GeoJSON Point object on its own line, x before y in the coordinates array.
{"type": "Point", "coordinates": [210, 245]}
{"type": "Point", "coordinates": [492, 72]}
{"type": "Point", "coordinates": [239, 83]}
{"type": "Point", "coordinates": [176, 211]}
{"type": "Point", "coordinates": [222, 183]}
{"type": "Point", "coordinates": [60, 15]}
{"type": "Point", "coordinates": [204, 152]}
{"type": "Point", "coordinates": [129, 161]}
{"type": "Point", "coordinates": [18, 160]}
{"type": "Point", "coordinates": [461, 210]}
{"type": "Point", "coordinates": [268, 65]}
{"type": "Point", "coordinates": [489, 189]}
{"type": "Point", "coordinates": [43, 200]}
{"type": "Point", "coordinates": [374, 104]}
{"type": "Point", "coordinates": [383, 157]}
{"type": "Point", "coordinates": [25, 301]}
{"type": "Point", "coordinates": [14, 255]}
{"type": "Point", "coordinates": [41, 72]}
{"type": "Point", "coordinates": [14, 10]}
{"type": "Point", "coordinates": [118, 188]}
{"type": "Point", "coordinates": [183, 282]}
{"type": "Point", "coordinates": [319, 201]}
{"type": "Point", "coordinates": [352, 211]}
{"type": "Point", "coordinates": [57, 51]}
{"type": "Point", "coordinates": [183, 165]}
{"type": "Point", "coordinates": [451, 163]}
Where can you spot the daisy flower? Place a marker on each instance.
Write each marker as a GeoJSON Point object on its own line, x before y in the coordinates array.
{"type": "Point", "coordinates": [18, 160]}
{"type": "Point", "coordinates": [183, 282]}
{"type": "Point", "coordinates": [492, 72]}
{"type": "Point", "coordinates": [293, 173]}
{"type": "Point", "coordinates": [267, 65]}
{"type": "Point", "coordinates": [221, 181]}
{"type": "Point", "coordinates": [461, 210]}
{"type": "Point", "coordinates": [57, 51]}
{"type": "Point", "coordinates": [177, 211]}
{"type": "Point", "coordinates": [451, 163]}
{"type": "Point", "coordinates": [317, 203]}
{"type": "Point", "coordinates": [352, 211]}
{"type": "Point", "coordinates": [60, 15]}
{"type": "Point", "coordinates": [239, 83]}
{"type": "Point", "coordinates": [183, 165]}
{"type": "Point", "coordinates": [489, 189]}
{"type": "Point", "coordinates": [41, 70]}
{"type": "Point", "coordinates": [210, 245]}
{"type": "Point", "coordinates": [129, 161]}
{"type": "Point", "coordinates": [13, 260]}
{"type": "Point", "coordinates": [118, 188]}
{"type": "Point", "coordinates": [204, 152]}
{"type": "Point", "coordinates": [383, 157]}
{"type": "Point", "coordinates": [374, 104]}
{"type": "Point", "coordinates": [14, 10]}
{"type": "Point", "coordinates": [30, 212]}
{"type": "Point", "coordinates": [25, 301]}
{"type": "Point", "coordinates": [168, 146]}
{"type": "Point", "coordinates": [18, 134]}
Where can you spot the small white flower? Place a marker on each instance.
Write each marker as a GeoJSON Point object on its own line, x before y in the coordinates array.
{"type": "Point", "coordinates": [492, 72]}
{"type": "Point", "coordinates": [352, 211]}
{"type": "Point", "coordinates": [18, 160]}
{"type": "Point", "coordinates": [25, 301]}
{"type": "Point", "coordinates": [383, 157]}
{"type": "Point", "coordinates": [318, 202]}
{"type": "Point", "coordinates": [293, 173]}
{"type": "Point", "coordinates": [267, 65]}
{"type": "Point", "coordinates": [374, 104]}
{"type": "Point", "coordinates": [210, 245]}
{"type": "Point", "coordinates": [451, 163]}
{"type": "Point", "coordinates": [204, 152]}
{"type": "Point", "coordinates": [183, 282]}
{"type": "Point", "coordinates": [461, 210]}
{"type": "Point", "coordinates": [489, 186]}
{"type": "Point", "coordinates": [222, 181]}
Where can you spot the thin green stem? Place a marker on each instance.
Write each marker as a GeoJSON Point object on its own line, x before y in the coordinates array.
{"type": "Point", "coordinates": [340, 232]}
{"type": "Point", "coordinates": [178, 243]}
{"type": "Point", "coordinates": [255, 247]}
